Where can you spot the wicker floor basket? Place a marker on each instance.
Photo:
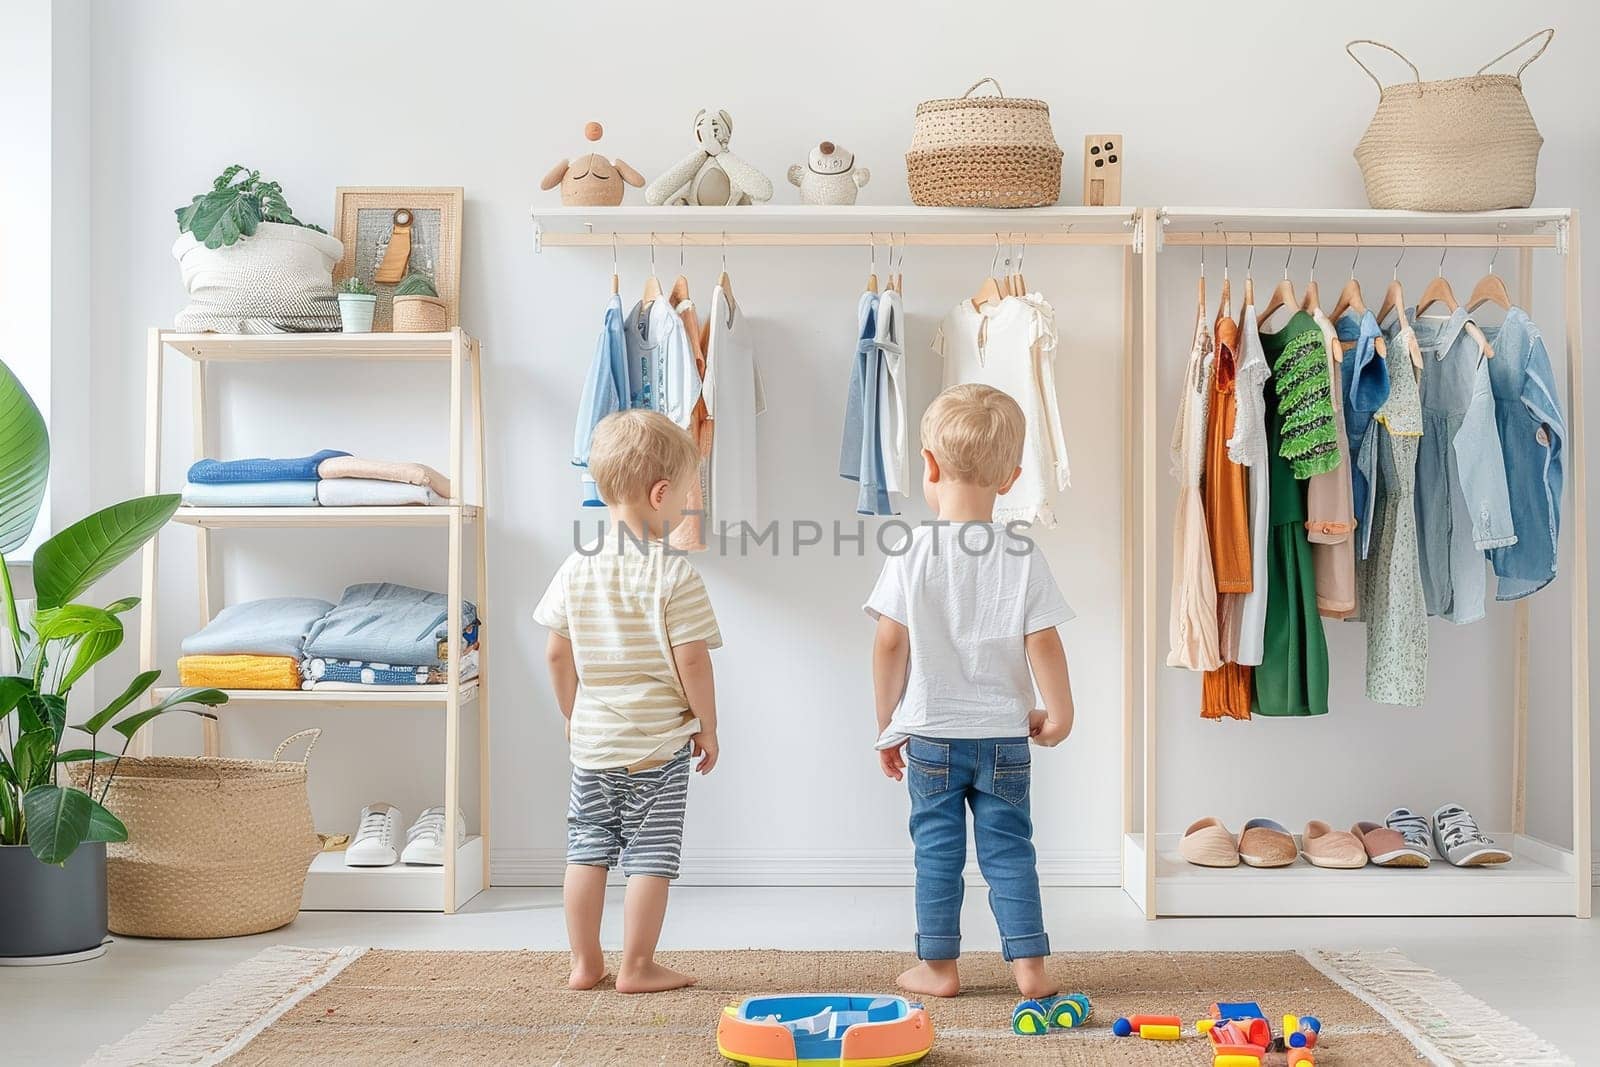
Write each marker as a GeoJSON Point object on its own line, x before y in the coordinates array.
{"type": "Point", "coordinates": [216, 847]}
{"type": "Point", "coordinates": [983, 151]}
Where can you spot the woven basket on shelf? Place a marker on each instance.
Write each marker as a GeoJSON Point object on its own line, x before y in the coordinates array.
{"type": "Point", "coordinates": [983, 151]}
{"type": "Point", "coordinates": [420, 314]}
{"type": "Point", "coordinates": [216, 847]}
{"type": "Point", "coordinates": [1464, 144]}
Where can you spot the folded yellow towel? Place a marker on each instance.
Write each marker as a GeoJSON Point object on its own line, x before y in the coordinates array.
{"type": "Point", "coordinates": [385, 471]}
{"type": "Point", "coordinates": [240, 672]}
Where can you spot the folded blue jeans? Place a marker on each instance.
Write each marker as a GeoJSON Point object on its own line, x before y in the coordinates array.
{"type": "Point", "coordinates": [991, 776]}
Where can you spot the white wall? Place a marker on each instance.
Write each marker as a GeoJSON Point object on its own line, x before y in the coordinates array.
{"type": "Point", "coordinates": [1256, 106]}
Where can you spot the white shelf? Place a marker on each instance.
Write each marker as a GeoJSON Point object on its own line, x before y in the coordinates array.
{"type": "Point", "coordinates": [331, 886]}
{"type": "Point", "coordinates": [206, 347]}
{"type": "Point", "coordinates": [372, 695]}
{"type": "Point", "coordinates": [279, 517]}
{"type": "Point", "coordinates": [1538, 881]}
{"type": "Point", "coordinates": [1365, 220]}
{"type": "Point", "coordinates": [668, 222]}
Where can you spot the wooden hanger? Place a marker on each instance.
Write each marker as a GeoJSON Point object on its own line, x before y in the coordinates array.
{"type": "Point", "coordinates": [1312, 298]}
{"type": "Point", "coordinates": [1249, 278]}
{"type": "Point", "coordinates": [1394, 301]}
{"type": "Point", "coordinates": [872, 279]}
{"type": "Point", "coordinates": [1438, 291]}
{"type": "Point", "coordinates": [616, 279]}
{"type": "Point", "coordinates": [680, 284]}
{"type": "Point", "coordinates": [652, 284]}
{"type": "Point", "coordinates": [723, 281]}
{"type": "Point", "coordinates": [1019, 284]}
{"type": "Point", "coordinates": [1350, 299]}
{"type": "Point", "coordinates": [990, 292]}
{"type": "Point", "coordinates": [1282, 293]}
{"type": "Point", "coordinates": [1490, 289]}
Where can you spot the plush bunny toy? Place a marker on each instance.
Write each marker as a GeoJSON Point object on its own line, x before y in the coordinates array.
{"type": "Point", "coordinates": [711, 176]}
{"type": "Point", "coordinates": [589, 180]}
{"type": "Point", "coordinates": [829, 175]}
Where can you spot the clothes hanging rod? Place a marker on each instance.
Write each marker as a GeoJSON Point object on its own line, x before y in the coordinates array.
{"type": "Point", "coordinates": [668, 240]}
{"type": "Point", "coordinates": [1264, 239]}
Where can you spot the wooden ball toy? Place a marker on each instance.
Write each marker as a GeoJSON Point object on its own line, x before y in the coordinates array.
{"type": "Point", "coordinates": [593, 131]}
{"type": "Point", "coordinates": [1122, 1028]}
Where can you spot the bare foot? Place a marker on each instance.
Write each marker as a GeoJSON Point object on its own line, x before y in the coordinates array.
{"type": "Point", "coordinates": [931, 978]}
{"type": "Point", "coordinates": [650, 977]}
{"type": "Point", "coordinates": [1032, 981]}
{"type": "Point", "coordinates": [586, 974]}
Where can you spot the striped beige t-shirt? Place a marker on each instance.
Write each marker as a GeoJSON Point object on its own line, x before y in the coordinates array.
{"type": "Point", "coordinates": [624, 608]}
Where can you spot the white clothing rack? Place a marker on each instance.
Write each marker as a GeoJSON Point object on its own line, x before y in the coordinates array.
{"type": "Point", "coordinates": [1543, 879]}
{"type": "Point", "coordinates": [331, 885]}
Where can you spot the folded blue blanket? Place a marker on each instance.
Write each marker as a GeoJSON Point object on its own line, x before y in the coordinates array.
{"type": "Point", "coordinates": [318, 671]}
{"type": "Point", "coordinates": [274, 626]}
{"type": "Point", "coordinates": [251, 495]}
{"type": "Point", "coordinates": [260, 469]}
{"type": "Point", "coordinates": [383, 622]}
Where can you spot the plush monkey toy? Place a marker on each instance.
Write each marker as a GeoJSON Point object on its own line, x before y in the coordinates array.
{"type": "Point", "coordinates": [589, 180]}
{"type": "Point", "coordinates": [711, 176]}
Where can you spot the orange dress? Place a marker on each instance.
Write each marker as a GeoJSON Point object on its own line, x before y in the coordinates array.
{"type": "Point", "coordinates": [1226, 490]}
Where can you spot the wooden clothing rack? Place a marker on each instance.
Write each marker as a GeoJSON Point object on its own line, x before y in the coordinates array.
{"type": "Point", "coordinates": [1544, 879]}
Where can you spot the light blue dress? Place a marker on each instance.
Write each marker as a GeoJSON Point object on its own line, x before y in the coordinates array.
{"type": "Point", "coordinates": [860, 453]}
{"type": "Point", "coordinates": [605, 391]}
{"type": "Point", "coordinates": [1463, 504]}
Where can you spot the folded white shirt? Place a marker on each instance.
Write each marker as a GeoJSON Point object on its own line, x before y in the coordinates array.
{"type": "Point", "coordinates": [370, 492]}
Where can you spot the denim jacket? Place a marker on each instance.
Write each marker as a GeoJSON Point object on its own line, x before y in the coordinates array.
{"type": "Point", "coordinates": [1532, 439]}
{"type": "Point", "coordinates": [1463, 503]}
{"type": "Point", "coordinates": [1364, 380]}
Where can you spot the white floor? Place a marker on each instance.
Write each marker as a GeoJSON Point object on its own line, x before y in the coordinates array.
{"type": "Point", "coordinates": [1545, 973]}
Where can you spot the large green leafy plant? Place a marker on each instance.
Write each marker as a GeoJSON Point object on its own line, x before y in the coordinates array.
{"type": "Point", "coordinates": [58, 646]}
{"type": "Point", "coordinates": [238, 201]}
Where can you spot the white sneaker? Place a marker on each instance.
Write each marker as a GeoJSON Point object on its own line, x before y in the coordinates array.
{"type": "Point", "coordinates": [425, 839]}
{"type": "Point", "coordinates": [374, 844]}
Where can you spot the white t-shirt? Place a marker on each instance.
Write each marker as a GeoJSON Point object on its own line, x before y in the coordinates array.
{"type": "Point", "coordinates": [892, 395]}
{"type": "Point", "coordinates": [625, 607]}
{"type": "Point", "coordinates": [968, 594]}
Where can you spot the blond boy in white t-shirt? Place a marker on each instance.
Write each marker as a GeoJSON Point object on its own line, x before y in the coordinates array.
{"type": "Point", "coordinates": [631, 631]}
{"type": "Point", "coordinates": [967, 613]}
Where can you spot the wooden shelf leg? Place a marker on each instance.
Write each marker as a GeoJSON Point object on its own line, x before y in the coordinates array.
{"type": "Point", "coordinates": [211, 729]}
{"type": "Point", "coordinates": [452, 726]}
{"type": "Point", "coordinates": [1579, 519]}
{"type": "Point", "coordinates": [1147, 565]}
{"type": "Point", "coordinates": [143, 742]}
{"type": "Point", "coordinates": [480, 528]}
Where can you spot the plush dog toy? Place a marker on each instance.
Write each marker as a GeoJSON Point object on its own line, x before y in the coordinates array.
{"type": "Point", "coordinates": [589, 180]}
{"type": "Point", "coordinates": [711, 176]}
{"type": "Point", "coordinates": [829, 175]}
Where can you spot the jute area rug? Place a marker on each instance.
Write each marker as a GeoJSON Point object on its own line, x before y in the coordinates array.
{"type": "Point", "coordinates": [370, 1006]}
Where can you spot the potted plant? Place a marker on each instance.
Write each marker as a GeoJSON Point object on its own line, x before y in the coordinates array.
{"type": "Point", "coordinates": [52, 835]}
{"type": "Point", "coordinates": [417, 307]}
{"type": "Point", "coordinates": [357, 302]}
{"type": "Point", "coordinates": [248, 264]}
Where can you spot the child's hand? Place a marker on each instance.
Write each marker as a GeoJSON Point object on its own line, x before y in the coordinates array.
{"type": "Point", "coordinates": [705, 747]}
{"type": "Point", "coordinates": [893, 761]}
{"type": "Point", "coordinates": [1036, 721]}
{"type": "Point", "coordinates": [1052, 732]}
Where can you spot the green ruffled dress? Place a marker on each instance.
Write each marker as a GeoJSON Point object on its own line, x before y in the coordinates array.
{"type": "Point", "coordinates": [1302, 440]}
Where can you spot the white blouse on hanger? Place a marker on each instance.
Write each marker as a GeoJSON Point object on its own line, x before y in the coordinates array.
{"type": "Point", "coordinates": [662, 374]}
{"type": "Point", "coordinates": [1011, 346]}
{"type": "Point", "coordinates": [734, 396]}
{"type": "Point", "coordinates": [892, 394]}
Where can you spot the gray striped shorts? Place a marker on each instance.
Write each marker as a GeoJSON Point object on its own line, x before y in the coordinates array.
{"type": "Point", "coordinates": [635, 819]}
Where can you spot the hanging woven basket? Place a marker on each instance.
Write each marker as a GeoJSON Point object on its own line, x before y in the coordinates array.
{"type": "Point", "coordinates": [983, 151]}
{"type": "Point", "coordinates": [216, 847]}
{"type": "Point", "coordinates": [1463, 144]}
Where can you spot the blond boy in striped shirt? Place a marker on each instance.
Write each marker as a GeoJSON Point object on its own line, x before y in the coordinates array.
{"type": "Point", "coordinates": [631, 633]}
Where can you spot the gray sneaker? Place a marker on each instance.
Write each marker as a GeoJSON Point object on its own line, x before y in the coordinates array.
{"type": "Point", "coordinates": [1412, 827]}
{"type": "Point", "coordinates": [1457, 838]}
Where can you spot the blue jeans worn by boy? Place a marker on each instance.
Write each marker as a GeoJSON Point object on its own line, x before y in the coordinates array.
{"type": "Point", "coordinates": [947, 775]}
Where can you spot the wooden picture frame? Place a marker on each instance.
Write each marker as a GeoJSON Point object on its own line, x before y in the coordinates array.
{"type": "Point", "coordinates": [364, 219]}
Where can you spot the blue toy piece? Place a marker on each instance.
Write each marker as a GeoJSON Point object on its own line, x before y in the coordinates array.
{"type": "Point", "coordinates": [1297, 1039]}
{"type": "Point", "coordinates": [1122, 1028]}
{"type": "Point", "coordinates": [1312, 1023]}
{"type": "Point", "coordinates": [1029, 1019]}
{"type": "Point", "coordinates": [1068, 1011]}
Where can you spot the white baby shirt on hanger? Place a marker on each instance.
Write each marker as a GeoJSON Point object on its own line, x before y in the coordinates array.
{"type": "Point", "coordinates": [734, 397]}
{"type": "Point", "coordinates": [662, 374]}
{"type": "Point", "coordinates": [892, 429]}
{"type": "Point", "coordinates": [1011, 346]}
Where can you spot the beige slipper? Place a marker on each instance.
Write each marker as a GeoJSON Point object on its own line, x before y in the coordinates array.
{"type": "Point", "coordinates": [1265, 843]}
{"type": "Point", "coordinates": [1209, 844]}
{"type": "Point", "coordinates": [1327, 847]}
{"type": "Point", "coordinates": [1388, 848]}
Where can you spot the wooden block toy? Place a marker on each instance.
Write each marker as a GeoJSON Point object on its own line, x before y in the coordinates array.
{"type": "Point", "coordinates": [1155, 1032]}
{"type": "Point", "coordinates": [1236, 1059]}
{"type": "Point", "coordinates": [1102, 169]}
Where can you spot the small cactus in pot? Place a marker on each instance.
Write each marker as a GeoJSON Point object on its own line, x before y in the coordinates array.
{"type": "Point", "coordinates": [357, 302]}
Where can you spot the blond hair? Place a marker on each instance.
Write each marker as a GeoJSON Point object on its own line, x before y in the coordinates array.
{"type": "Point", "coordinates": [630, 451]}
{"type": "Point", "coordinates": [975, 432]}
